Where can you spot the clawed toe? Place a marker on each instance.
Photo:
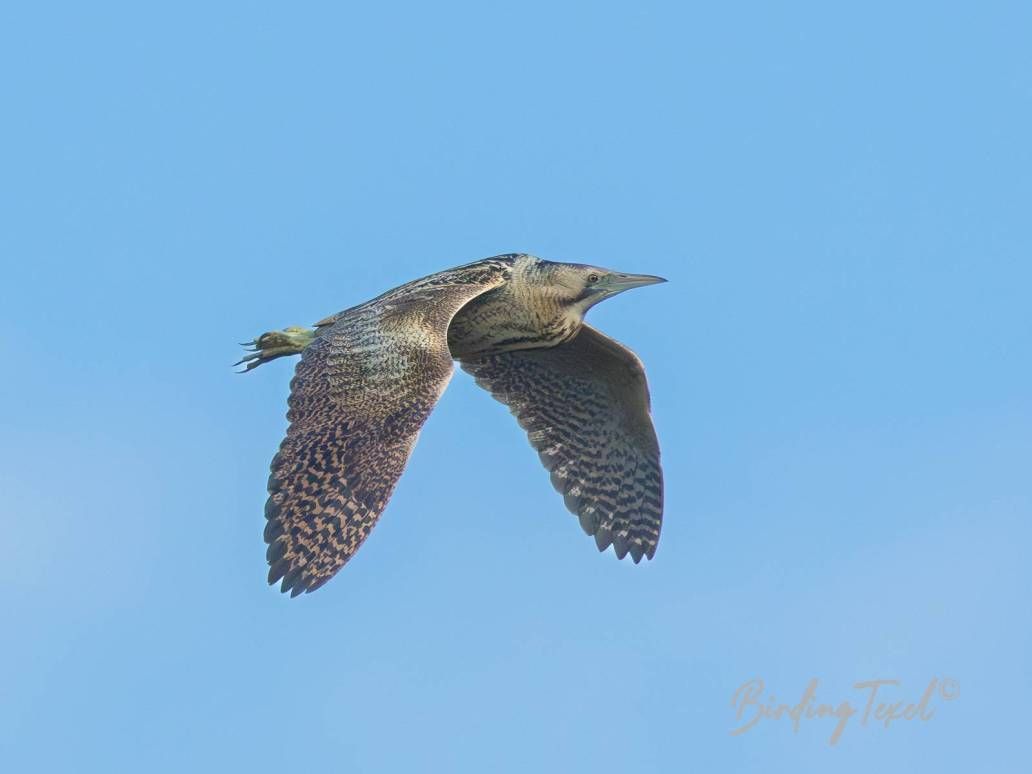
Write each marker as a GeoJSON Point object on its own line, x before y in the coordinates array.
{"type": "Point", "coordinates": [274, 344]}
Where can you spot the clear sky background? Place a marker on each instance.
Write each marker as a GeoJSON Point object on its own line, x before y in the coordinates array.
{"type": "Point", "coordinates": [841, 199]}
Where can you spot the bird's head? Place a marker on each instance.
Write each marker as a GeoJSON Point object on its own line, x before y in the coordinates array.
{"type": "Point", "coordinates": [578, 286]}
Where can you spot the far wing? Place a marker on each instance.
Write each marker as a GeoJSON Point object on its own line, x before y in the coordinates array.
{"type": "Point", "coordinates": [585, 407]}
{"type": "Point", "coordinates": [358, 399]}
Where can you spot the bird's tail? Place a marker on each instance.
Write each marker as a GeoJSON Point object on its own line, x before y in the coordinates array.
{"type": "Point", "coordinates": [274, 344]}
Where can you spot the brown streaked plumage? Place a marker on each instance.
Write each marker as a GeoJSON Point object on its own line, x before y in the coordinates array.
{"type": "Point", "coordinates": [585, 407]}
{"type": "Point", "coordinates": [370, 375]}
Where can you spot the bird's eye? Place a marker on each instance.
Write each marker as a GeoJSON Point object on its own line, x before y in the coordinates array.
{"type": "Point", "coordinates": [593, 278]}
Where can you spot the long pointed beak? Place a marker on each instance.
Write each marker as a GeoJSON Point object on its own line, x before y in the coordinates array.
{"type": "Point", "coordinates": [618, 283]}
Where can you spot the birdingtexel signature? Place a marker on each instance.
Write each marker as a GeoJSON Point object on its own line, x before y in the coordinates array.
{"type": "Point", "coordinates": [881, 701]}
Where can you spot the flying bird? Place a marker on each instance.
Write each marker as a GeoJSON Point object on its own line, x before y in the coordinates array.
{"type": "Point", "coordinates": [369, 377]}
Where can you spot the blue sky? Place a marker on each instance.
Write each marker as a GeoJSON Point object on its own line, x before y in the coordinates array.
{"type": "Point", "coordinates": [840, 369]}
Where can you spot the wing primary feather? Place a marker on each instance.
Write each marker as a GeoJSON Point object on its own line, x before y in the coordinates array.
{"type": "Point", "coordinates": [585, 407]}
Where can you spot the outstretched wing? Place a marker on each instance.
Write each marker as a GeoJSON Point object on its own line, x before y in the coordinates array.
{"type": "Point", "coordinates": [358, 399]}
{"type": "Point", "coordinates": [585, 407]}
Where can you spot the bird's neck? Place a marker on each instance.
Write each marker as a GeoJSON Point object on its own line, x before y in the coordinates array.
{"type": "Point", "coordinates": [510, 318]}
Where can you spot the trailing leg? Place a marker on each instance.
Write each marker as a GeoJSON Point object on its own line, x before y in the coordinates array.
{"type": "Point", "coordinates": [274, 344]}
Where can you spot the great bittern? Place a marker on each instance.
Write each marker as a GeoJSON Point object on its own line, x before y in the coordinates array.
{"type": "Point", "coordinates": [370, 375]}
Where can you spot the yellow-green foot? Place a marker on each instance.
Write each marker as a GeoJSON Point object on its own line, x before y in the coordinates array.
{"type": "Point", "coordinates": [274, 344]}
